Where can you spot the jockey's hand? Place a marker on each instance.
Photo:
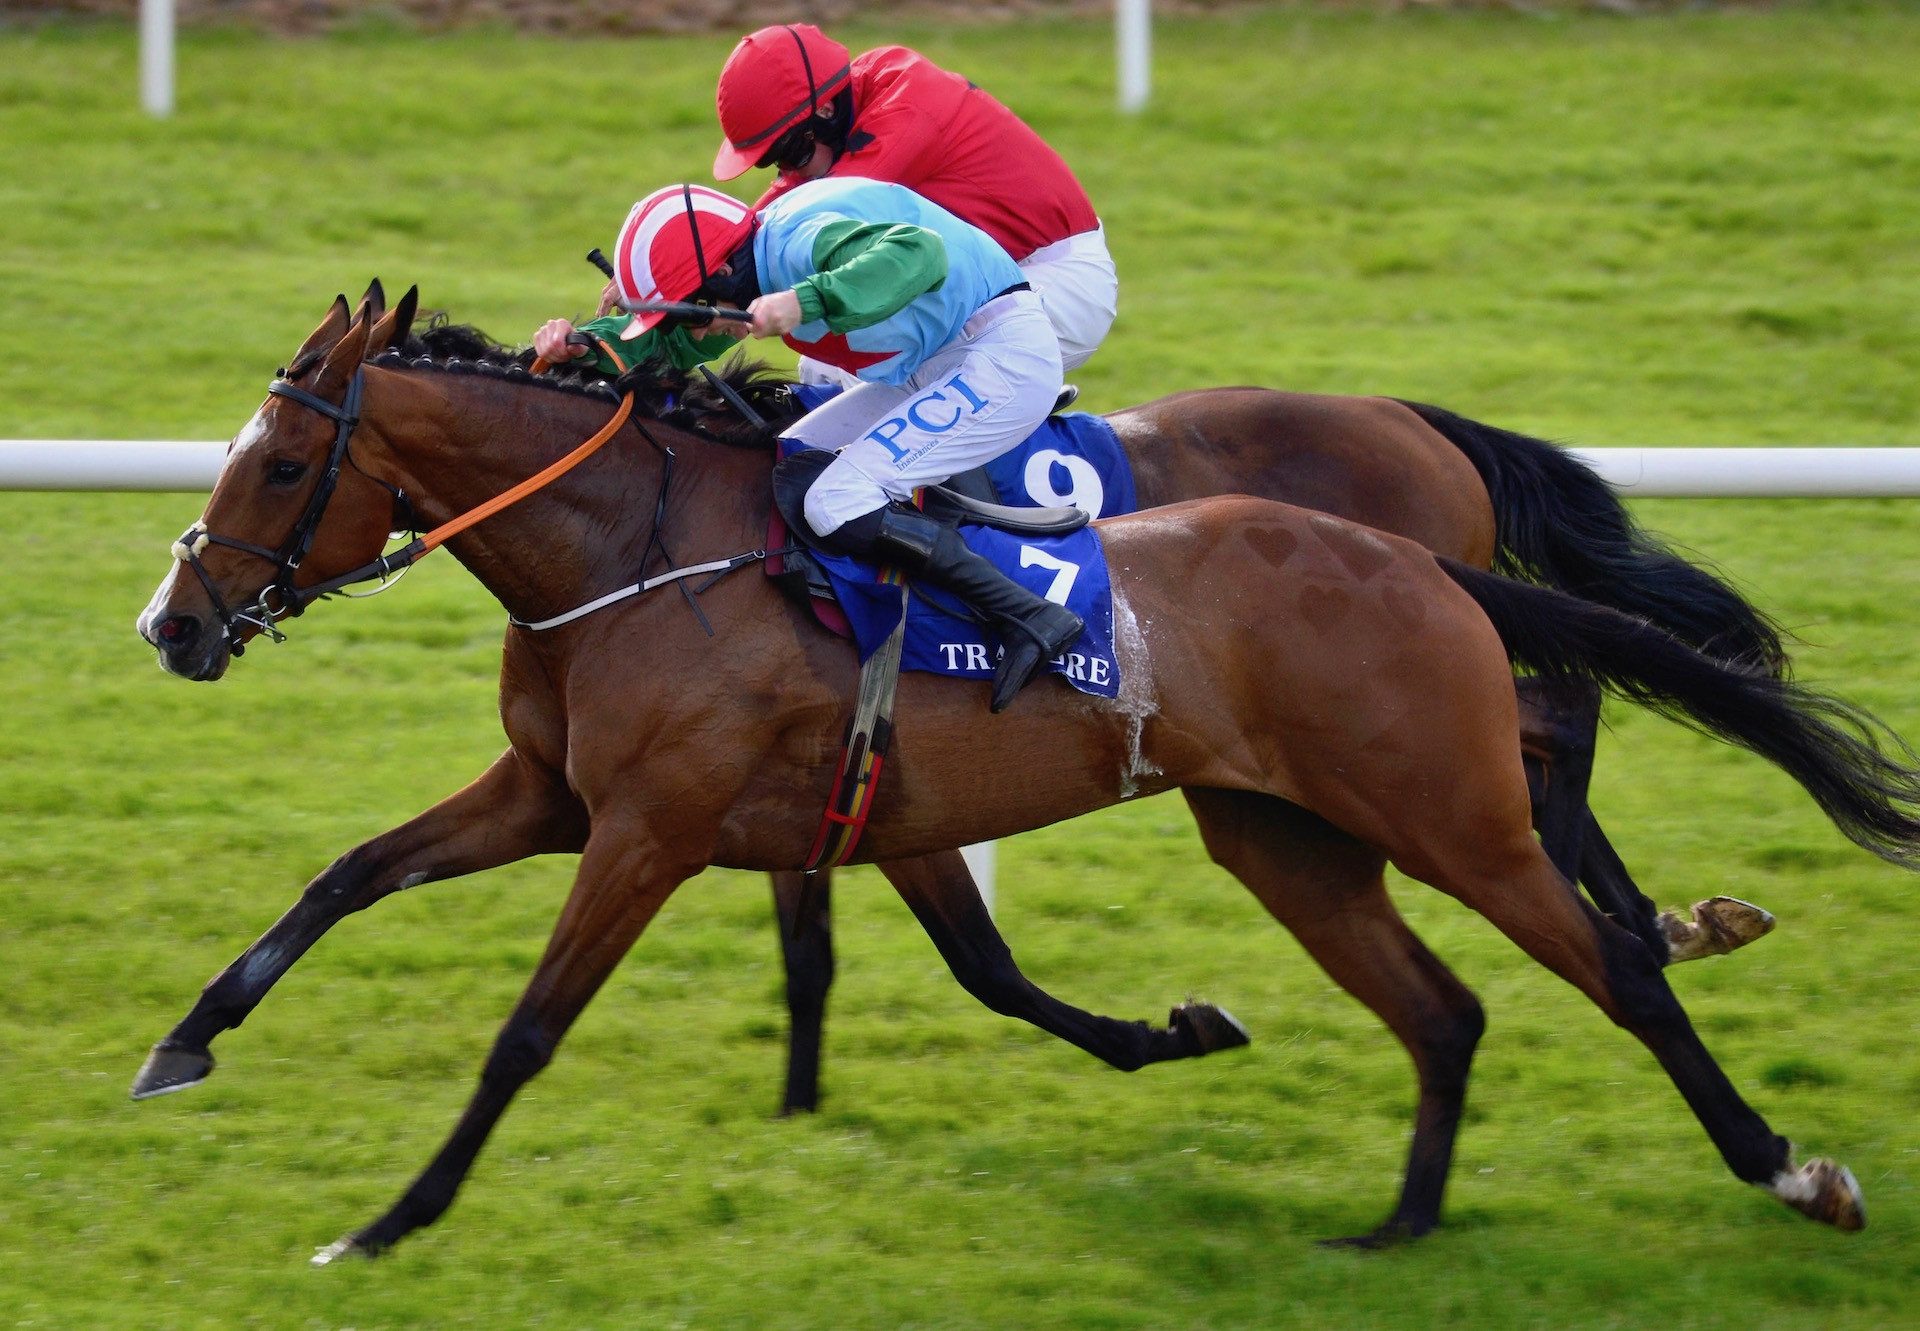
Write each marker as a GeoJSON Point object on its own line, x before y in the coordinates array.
{"type": "Point", "coordinates": [775, 314]}
{"type": "Point", "coordinates": [609, 298]}
{"type": "Point", "coordinates": [551, 342]}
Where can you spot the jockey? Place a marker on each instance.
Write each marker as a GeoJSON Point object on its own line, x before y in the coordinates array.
{"type": "Point", "coordinates": [791, 97]}
{"type": "Point", "coordinates": [954, 359]}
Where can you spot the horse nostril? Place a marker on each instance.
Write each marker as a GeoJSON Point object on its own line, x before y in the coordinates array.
{"type": "Point", "coordinates": [177, 630]}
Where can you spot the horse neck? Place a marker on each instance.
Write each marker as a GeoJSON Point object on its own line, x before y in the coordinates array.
{"type": "Point", "coordinates": [458, 441]}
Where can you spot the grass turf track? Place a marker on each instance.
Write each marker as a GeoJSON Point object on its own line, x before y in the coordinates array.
{"type": "Point", "coordinates": [1690, 230]}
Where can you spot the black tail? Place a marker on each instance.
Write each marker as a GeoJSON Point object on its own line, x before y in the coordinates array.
{"type": "Point", "coordinates": [1560, 524]}
{"type": "Point", "coordinates": [1865, 777]}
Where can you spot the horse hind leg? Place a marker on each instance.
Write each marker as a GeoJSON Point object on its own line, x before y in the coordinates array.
{"type": "Point", "coordinates": [1559, 722]}
{"type": "Point", "coordinates": [1714, 927]}
{"type": "Point", "coordinates": [1521, 893]}
{"type": "Point", "coordinates": [1328, 889]}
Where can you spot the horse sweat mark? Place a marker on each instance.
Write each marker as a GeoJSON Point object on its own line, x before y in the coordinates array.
{"type": "Point", "coordinates": [1362, 552]}
{"type": "Point", "coordinates": [1324, 607]}
{"type": "Point", "coordinates": [1136, 698]}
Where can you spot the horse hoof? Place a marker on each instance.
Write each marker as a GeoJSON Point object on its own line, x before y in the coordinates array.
{"type": "Point", "coordinates": [1207, 1028]}
{"type": "Point", "coordinates": [171, 1068]}
{"type": "Point", "coordinates": [350, 1246]}
{"type": "Point", "coordinates": [1389, 1235]}
{"type": "Point", "coordinates": [1824, 1190]}
{"type": "Point", "coordinates": [1719, 925]}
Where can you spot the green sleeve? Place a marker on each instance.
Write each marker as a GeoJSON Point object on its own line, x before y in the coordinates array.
{"type": "Point", "coordinates": [675, 343]}
{"type": "Point", "coordinates": [868, 271]}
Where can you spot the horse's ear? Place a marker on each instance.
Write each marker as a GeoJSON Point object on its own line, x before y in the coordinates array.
{"type": "Point", "coordinates": [345, 355]}
{"type": "Point", "coordinates": [375, 301]}
{"type": "Point", "coordinates": [392, 330]}
{"type": "Point", "coordinates": [326, 334]}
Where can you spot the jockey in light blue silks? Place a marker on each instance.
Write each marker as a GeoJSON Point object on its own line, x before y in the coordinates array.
{"type": "Point", "coordinates": [956, 360]}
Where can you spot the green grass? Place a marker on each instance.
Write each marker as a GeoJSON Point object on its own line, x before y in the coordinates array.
{"type": "Point", "coordinates": [1690, 229]}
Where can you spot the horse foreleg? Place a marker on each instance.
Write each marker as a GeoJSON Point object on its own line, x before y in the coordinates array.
{"type": "Point", "coordinates": [512, 811]}
{"type": "Point", "coordinates": [805, 916]}
{"type": "Point", "coordinates": [940, 891]}
{"type": "Point", "coordinates": [622, 883]}
{"type": "Point", "coordinates": [1328, 889]}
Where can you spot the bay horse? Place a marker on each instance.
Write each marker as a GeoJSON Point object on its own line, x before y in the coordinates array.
{"type": "Point", "coordinates": [1485, 496]}
{"type": "Point", "coordinates": [1328, 698]}
{"type": "Point", "coordinates": [1474, 492]}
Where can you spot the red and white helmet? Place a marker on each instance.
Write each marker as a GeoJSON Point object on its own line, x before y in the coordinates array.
{"type": "Point", "coordinates": [672, 241]}
{"type": "Point", "coordinates": [775, 78]}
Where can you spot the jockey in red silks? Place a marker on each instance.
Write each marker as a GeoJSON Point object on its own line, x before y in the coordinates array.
{"type": "Point", "coordinates": [791, 97]}
{"type": "Point", "coordinates": [953, 359]}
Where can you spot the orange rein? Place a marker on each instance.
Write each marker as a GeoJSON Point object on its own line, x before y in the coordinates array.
{"type": "Point", "coordinates": [448, 530]}
{"type": "Point", "coordinates": [398, 561]}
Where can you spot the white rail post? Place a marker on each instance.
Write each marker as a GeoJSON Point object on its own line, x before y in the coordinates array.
{"type": "Point", "coordinates": [1133, 36]}
{"type": "Point", "coordinates": [980, 861]}
{"type": "Point", "coordinates": [156, 57]}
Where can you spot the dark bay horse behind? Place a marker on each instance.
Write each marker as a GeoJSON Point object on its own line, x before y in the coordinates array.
{"type": "Point", "coordinates": [1312, 752]}
{"type": "Point", "coordinates": [1485, 496]}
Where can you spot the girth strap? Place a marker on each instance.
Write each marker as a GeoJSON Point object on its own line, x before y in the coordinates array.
{"type": "Point", "coordinates": [864, 752]}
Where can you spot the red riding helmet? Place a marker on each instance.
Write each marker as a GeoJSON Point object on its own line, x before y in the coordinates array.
{"type": "Point", "coordinates": [774, 79]}
{"type": "Point", "coordinates": [672, 242]}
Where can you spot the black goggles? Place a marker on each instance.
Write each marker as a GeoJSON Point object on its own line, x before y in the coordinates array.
{"type": "Point", "coordinates": [792, 150]}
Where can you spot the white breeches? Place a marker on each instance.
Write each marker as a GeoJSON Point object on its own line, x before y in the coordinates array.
{"type": "Point", "coordinates": [968, 403]}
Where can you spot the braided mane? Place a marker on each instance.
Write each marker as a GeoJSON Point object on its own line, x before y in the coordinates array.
{"type": "Point", "coordinates": [661, 392]}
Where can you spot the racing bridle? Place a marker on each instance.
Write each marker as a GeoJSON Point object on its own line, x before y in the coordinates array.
{"type": "Point", "coordinates": [280, 599]}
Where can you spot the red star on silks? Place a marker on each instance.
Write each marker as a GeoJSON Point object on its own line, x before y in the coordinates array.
{"type": "Point", "coordinates": [833, 349]}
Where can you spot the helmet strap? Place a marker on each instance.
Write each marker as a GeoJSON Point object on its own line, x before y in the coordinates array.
{"type": "Point", "coordinates": [806, 63]}
{"type": "Point", "coordinates": [693, 225]}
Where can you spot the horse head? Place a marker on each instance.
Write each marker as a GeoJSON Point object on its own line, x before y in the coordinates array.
{"type": "Point", "coordinates": [292, 507]}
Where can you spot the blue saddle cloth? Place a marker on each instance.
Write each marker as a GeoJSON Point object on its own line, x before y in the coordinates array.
{"type": "Point", "coordinates": [1073, 458]}
{"type": "Point", "coordinates": [942, 636]}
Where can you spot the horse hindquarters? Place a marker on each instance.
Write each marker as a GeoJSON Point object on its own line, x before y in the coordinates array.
{"type": "Point", "coordinates": [1436, 479]}
{"type": "Point", "coordinates": [1427, 772]}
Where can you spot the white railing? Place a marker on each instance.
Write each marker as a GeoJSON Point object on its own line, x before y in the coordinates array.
{"type": "Point", "coordinates": [108, 464]}
{"type": "Point", "coordinates": [1781, 473]}
{"type": "Point", "coordinates": [151, 464]}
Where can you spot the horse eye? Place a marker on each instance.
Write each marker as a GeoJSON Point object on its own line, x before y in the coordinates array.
{"type": "Point", "coordinates": [286, 473]}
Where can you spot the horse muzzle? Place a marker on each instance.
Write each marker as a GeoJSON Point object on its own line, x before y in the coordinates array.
{"type": "Point", "coordinates": [188, 646]}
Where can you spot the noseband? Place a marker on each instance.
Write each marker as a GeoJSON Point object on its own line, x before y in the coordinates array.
{"type": "Point", "coordinates": [280, 599]}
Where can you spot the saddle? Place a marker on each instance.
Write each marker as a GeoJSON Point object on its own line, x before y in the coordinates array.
{"type": "Point", "coordinates": [967, 497]}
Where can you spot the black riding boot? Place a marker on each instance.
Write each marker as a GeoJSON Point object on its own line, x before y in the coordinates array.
{"type": "Point", "coordinates": [1033, 630]}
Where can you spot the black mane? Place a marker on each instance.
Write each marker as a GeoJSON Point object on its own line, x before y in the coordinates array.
{"type": "Point", "coordinates": [675, 397]}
